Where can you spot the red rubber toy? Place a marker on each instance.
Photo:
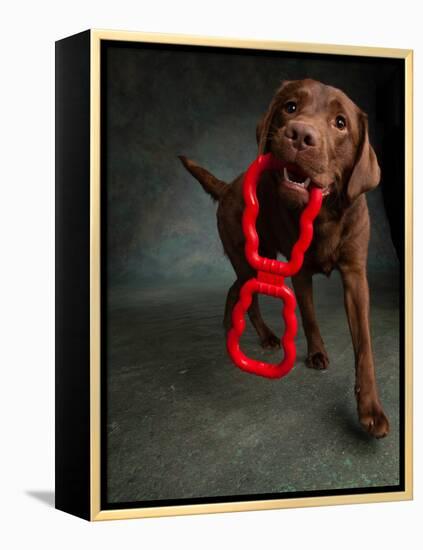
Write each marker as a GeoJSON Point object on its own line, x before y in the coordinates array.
{"type": "Point", "coordinates": [270, 278]}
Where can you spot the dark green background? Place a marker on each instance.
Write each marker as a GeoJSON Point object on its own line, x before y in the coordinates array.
{"type": "Point", "coordinates": [161, 102]}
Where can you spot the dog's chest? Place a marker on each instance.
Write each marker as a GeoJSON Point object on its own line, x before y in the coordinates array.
{"type": "Point", "coordinates": [324, 251]}
{"type": "Point", "coordinates": [279, 231]}
{"type": "Point", "coordinates": [323, 254]}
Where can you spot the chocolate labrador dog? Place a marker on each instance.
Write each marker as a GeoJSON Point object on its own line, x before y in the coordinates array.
{"type": "Point", "coordinates": [322, 137]}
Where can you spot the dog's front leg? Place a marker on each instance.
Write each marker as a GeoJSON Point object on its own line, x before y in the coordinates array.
{"type": "Point", "coordinates": [317, 358]}
{"type": "Point", "coordinates": [356, 297]}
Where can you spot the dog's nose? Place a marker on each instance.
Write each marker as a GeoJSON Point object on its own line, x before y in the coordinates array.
{"type": "Point", "coordinates": [301, 135]}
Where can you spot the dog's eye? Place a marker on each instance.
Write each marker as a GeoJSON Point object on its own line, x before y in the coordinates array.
{"type": "Point", "coordinates": [340, 122]}
{"type": "Point", "coordinates": [290, 107]}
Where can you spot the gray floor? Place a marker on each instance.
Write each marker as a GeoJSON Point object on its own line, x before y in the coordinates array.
{"type": "Point", "coordinates": [184, 422]}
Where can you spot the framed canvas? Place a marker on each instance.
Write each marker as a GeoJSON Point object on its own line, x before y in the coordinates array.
{"type": "Point", "coordinates": [154, 134]}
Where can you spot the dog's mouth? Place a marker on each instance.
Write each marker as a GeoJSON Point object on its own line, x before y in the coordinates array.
{"type": "Point", "coordinates": [293, 178]}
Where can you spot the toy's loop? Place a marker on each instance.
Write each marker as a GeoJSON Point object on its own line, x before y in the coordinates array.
{"type": "Point", "coordinates": [253, 366]}
{"type": "Point", "coordinates": [251, 180]}
{"type": "Point", "coordinates": [270, 274]}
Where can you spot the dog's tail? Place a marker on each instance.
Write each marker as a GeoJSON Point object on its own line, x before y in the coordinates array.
{"type": "Point", "coordinates": [210, 183]}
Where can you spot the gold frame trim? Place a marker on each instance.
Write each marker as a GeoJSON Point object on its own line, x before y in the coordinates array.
{"type": "Point", "coordinates": [95, 428]}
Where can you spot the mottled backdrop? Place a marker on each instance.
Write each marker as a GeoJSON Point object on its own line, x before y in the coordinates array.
{"type": "Point", "coordinates": [182, 421]}
{"type": "Point", "coordinates": [161, 103]}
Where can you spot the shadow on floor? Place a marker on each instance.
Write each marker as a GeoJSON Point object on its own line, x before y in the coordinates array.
{"type": "Point", "coordinates": [46, 497]}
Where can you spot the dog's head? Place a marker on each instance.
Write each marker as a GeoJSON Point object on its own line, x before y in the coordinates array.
{"type": "Point", "coordinates": [322, 137]}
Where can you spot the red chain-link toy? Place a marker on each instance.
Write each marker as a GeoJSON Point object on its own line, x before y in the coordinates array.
{"type": "Point", "coordinates": [270, 278]}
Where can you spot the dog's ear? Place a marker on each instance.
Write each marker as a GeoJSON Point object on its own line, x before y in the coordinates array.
{"type": "Point", "coordinates": [264, 125]}
{"type": "Point", "coordinates": [366, 172]}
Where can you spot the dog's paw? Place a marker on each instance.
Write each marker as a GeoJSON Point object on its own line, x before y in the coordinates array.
{"type": "Point", "coordinates": [373, 419]}
{"type": "Point", "coordinates": [317, 360]}
{"type": "Point", "coordinates": [270, 341]}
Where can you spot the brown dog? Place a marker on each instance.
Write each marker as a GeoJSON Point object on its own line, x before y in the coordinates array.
{"type": "Point", "coordinates": [322, 136]}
